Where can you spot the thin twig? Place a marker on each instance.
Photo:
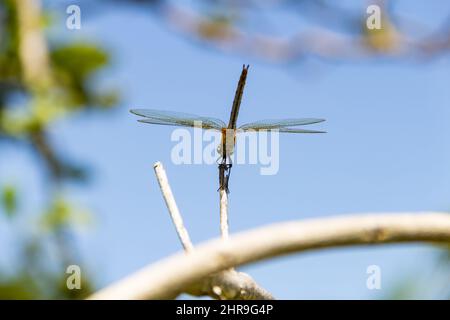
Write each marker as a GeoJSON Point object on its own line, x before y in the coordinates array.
{"type": "Point", "coordinates": [223, 213]}
{"type": "Point", "coordinates": [172, 206]}
{"type": "Point", "coordinates": [175, 274]}
{"type": "Point", "coordinates": [223, 194]}
{"type": "Point", "coordinates": [223, 285]}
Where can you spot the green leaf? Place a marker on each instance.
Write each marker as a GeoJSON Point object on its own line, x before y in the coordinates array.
{"type": "Point", "coordinates": [74, 66]}
{"type": "Point", "coordinates": [63, 214]}
{"type": "Point", "coordinates": [9, 200]}
{"type": "Point", "coordinates": [79, 59]}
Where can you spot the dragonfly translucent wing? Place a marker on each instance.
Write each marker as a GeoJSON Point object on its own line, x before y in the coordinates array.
{"type": "Point", "coordinates": [279, 123]}
{"type": "Point", "coordinates": [291, 130]}
{"type": "Point", "coordinates": [288, 130]}
{"type": "Point", "coordinates": [163, 117]}
{"type": "Point", "coordinates": [163, 123]}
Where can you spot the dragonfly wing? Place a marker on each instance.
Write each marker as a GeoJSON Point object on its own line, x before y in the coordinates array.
{"type": "Point", "coordinates": [279, 123]}
{"type": "Point", "coordinates": [198, 123]}
{"type": "Point", "coordinates": [160, 122]}
{"type": "Point", "coordinates": [290, 130]}
{"type": "Point", "coordinates": [163, 117]}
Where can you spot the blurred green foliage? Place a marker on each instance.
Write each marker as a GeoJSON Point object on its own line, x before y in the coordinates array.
{"type": "Point", "coordinates": [9, 200]}
{"type": "Point", "coordinates": [433, 284]}
{"type": "Point", "coordinates": [73, 74]}
{"type": "Point", "coordinates": [62, 213]}
{"type": "Point", "coordinates": [9, 60]}
{"type": "Point", "coordinates": [43, 249]}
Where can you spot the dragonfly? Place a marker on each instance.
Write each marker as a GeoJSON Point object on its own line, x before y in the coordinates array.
{"type": "Point", "coordinates": [228, 132]}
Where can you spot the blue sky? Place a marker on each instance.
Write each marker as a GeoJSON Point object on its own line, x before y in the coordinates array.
{"type": "Point", "coordinates": [386, 150]}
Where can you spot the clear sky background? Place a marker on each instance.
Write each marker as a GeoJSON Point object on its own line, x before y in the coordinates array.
{"type": "Point", "coordinates": [386, 150]}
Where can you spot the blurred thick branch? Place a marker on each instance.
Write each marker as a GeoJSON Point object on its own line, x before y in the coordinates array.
{"type": "Point", "coordinates": [33, 49]}
{"type": "Point", "coordinates": [335, 34]}
{"type": "Point", "coordinates": [176, 274]}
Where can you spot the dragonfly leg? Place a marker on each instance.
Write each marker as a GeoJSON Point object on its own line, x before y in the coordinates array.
{"type": "Point", "coordinates": [228, 171]}
{"type": "Point", "coordinates": [224, 176]}
{"type": "Point", "coordinates": [224, 173]}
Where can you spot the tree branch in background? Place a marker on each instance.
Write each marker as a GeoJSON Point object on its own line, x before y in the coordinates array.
{"type": "Point", "coordinates": [176, 274]}
{"type": "Point", "coordinates": [33, 51]}
{"type": "Point", "coordinates": [220, 28]}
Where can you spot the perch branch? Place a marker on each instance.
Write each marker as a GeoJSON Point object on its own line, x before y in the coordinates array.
{"type": "Point", "coordinates": [223, 285]}
{"type": "Point", "coordinates": [179, 272]}
{"type": "Point", "coordinates": [223, 213]}
{"type": "Point", "coordinates": [229, 285]}
{"type": "Point", "coordinates": [224, 174]}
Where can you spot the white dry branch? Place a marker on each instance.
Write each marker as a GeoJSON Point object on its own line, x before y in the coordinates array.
{"type": "Point", "coordinates": [227, 284]}
{"type": "Point", "coordinates": [172, 206]}
{"type": "Point", "coordinates": [223, 213]}
{"type": "Point", "coordinates": [176, 274]}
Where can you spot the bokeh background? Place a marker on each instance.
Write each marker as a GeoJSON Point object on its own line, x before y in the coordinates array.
{"type": "Point", "coordinates": [76, 178]}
